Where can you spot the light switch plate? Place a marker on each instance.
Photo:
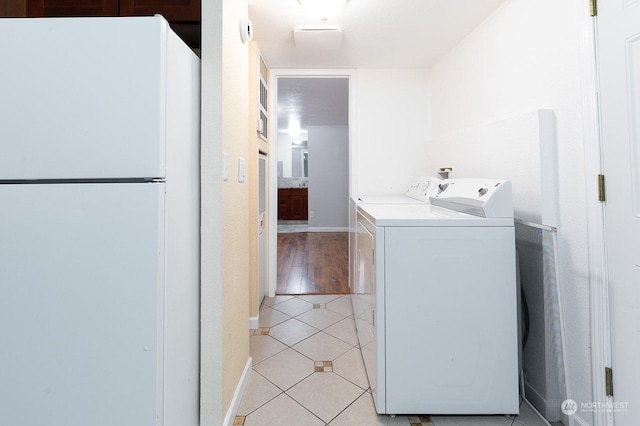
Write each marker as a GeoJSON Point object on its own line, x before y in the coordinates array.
{"type": "Point", "coordinates": [242, 170]}
{"type": "Point", "coordinates": [225, 166]}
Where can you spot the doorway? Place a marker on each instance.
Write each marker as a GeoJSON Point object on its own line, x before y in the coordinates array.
{"type": "Point", "coordinates": [262, 238]}
{"type": "Point", "coordinates": [311, 181]}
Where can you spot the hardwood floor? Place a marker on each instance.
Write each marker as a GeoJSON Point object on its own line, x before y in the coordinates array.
{"type": "Point", "coordinates": [313, 263]}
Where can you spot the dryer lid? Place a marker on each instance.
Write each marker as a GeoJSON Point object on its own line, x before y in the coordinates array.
{"type": "Point", "coordinates": [425, 215]}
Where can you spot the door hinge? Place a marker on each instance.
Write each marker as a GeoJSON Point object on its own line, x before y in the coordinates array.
{"type": "Point", "coordinates": [593, 7]}
{"type": "Point", "coordinates": [601, 194]}
{"type": "Point", "coordinates": [608, 378]}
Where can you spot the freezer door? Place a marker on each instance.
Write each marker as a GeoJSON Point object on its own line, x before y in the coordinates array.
{"type": "Point", "coordinates": [82, 97]}
{"type": "Point", "coordinates": [80, 311]}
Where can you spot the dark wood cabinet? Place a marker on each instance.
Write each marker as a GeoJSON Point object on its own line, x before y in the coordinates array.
{"type": "Point", "coordinates": [183, 15]}
{"type": "Point", "coordinates": [13, 8]}
{"type": "Point", "coordinates": [299, 204]}
{"type": "Point", "coordinates": [42, 8]}
{"type": "Point", "coordinates": [293, 204]}
{"type": "Point", "coordinates": [172, 10]}
{"type": "Point", "coordinates": [284, 200]}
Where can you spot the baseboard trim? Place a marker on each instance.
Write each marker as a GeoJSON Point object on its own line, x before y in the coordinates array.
{"type": "Point", "coordinates": [237, 395]}
{"type": "Point", "coordinates": [336, 229]}
{"type": "Point", "coordinates": [535, 399]}
{"type": "Point", "coordinates": [253, 322]}
{"type": "Point", "coordinates": [577, 419]}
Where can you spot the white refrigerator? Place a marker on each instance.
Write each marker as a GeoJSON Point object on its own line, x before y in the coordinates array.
{"type": "Point", "coordinates": [99, 223]}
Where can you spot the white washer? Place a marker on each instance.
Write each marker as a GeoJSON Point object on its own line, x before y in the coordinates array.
{"type": "Point", "coordinates": [436, 301]}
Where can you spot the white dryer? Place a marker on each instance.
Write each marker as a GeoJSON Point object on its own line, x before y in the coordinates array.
{"type": "Point", "coordinates": [436, 301]}
{"type": "Point", "coordinates": [418, 192]}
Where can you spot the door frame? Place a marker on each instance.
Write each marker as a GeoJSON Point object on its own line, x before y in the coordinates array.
{"type": "Point", "coordinates": [274, 74]}
{"type": "Point", "coordinates": [265, 186]}
{"type": "Point", "coordinates": [599, 285]}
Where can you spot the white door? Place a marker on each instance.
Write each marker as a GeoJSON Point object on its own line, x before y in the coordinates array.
{"type": "Point", "coordinates": [619, 63]}
{"type": "Point", "coordinates": [262, 237]}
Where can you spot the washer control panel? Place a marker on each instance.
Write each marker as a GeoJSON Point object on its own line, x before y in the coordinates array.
{"type": "Point", "coordinates": [479, 197]}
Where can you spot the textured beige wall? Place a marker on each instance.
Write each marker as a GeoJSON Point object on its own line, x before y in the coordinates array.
{"type": "Point", "coordinates": [225, 240]}
{"type": "Point", "coordinates": [235, 200]}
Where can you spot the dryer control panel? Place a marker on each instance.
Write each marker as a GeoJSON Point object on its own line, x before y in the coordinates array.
{"type": "Point", "coordinates": [479, 197]}
{"type": "Point", "coordinates": [422, 187]}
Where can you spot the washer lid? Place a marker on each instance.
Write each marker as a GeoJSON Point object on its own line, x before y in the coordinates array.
{"type": "Point", "coordinates": [479, 197]}
{"type": "Point", "coordinates": [424, 215]}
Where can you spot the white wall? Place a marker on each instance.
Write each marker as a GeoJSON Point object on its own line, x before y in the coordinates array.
{"type": "Point", "coordinates": [328, 178]}
{"type": "Point", "coordinates": [211, 349]}
{"type": "Point", "coordinates": [284, 153]}
{"type": "Point", "coordinates": [392, 127]}
{"type": "Point", "coordinates": [521, 59]}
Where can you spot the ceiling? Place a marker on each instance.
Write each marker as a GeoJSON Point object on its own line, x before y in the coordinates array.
{"type": "Point", "coordinates": [312, 102]}
{"type": "Point", "coordinates": [375, 34]}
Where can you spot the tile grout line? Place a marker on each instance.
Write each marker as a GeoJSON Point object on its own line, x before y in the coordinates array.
{"type": "Point", "coordinates": [267, 331]}
{"type": "Point", "coordinates": [347, 407]}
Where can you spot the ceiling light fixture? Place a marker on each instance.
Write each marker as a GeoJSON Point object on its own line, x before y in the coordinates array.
{"type": "Point", "coordinates": [323, 9]}
{"type": "Point", "coordinates": [294, 129]}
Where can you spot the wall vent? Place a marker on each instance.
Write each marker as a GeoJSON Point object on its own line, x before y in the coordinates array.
{"type": "Point", "coordinates": [263, 99]}
{"type": "Point", "coordinates": [318, 38]}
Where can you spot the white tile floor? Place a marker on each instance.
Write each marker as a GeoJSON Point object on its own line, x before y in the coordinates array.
{"type": "Point", "coordinates": [308, 370]}
{"type": "Point", "coordinates": [289, 226]}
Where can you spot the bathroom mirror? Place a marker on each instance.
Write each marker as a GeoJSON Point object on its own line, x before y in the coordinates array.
{"type": "Point", "coordinates": [299, 160]}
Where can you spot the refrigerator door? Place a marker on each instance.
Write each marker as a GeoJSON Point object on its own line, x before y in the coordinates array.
{"type": "Point", "coordinates": [81, 270]}
{"type": "Point", "coordinates": [82, 98]}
